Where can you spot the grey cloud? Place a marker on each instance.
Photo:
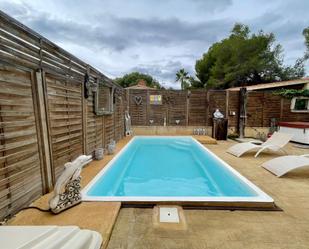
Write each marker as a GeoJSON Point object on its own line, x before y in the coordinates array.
{"type": "Point", "coordinates": [188, 56]}
{"type": "Point", "coordinates": [265, 20]}
{"type": "Point", "coordinates": [135, 56]}
{"type": "Point", "coordinates": [204, 6]}
{"type": "Point", "coordinates": [129, 32]}
{"type": "Point", "coordinates": [280, 25]}
{"type": "Point", "coordinates": [213, 5]}
{"type": "Point", "coordinates": [82, 34]}
{"type": "Point", "coordinates": [290, 30]}
{"type": "Point", "coordinates": [14, 9]}
{"type": "Point", "coordinates": [124, 33]}
{"type": "Point", "coordinates": [65, 30]}
{"type": "Point", "coordinates": [287, 29]}
{"type": "Point", "coordinates": [164, 32]}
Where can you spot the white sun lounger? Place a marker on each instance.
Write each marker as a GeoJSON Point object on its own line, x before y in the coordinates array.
{"type": "Point", "coordinates": [51, 237]}
{"type": "Point", "coordinates": [275, 143]}
{"type": "Point", "coordinates": [284, 164]}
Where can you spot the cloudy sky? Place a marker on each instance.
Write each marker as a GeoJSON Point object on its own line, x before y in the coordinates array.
{"type": "Point", "coordinates": [156, 36]}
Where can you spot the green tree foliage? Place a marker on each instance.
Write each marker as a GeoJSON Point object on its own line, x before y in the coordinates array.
{"type": "Point", "coordinates": [133, 78]}
{"type": "Point", "coordinates": [291, 93]}
{"type": "Point", "coordinates": [183, 77]}
{"type": "Point", "coordinates": [244, 59]}
{"type": "Point", "coordinates": [187, 81]}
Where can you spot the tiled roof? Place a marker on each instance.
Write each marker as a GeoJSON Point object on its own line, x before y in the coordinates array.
{"type": "Point", "coordinates": [139, 87]}
{"type": "Point", "coordinates": [141, 84]}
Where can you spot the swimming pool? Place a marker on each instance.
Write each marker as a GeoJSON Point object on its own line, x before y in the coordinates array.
{"type": "Point", "coordinates": [175, 169]}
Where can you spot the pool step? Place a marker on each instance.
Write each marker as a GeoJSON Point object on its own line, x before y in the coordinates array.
{"type": "Point", "coordinates": [188, 144]}
{"type": "Point", "coordinates": [180, 145]}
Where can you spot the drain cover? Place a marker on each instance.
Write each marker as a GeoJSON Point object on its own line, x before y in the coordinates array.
{"type": "Point", "coordinates": [169, 215]}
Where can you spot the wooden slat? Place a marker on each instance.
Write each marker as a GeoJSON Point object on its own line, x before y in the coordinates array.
{"type": "Point", "coordinates": [16, 124]}
{"type": "Point", "coordinates": [13, 102]}
{"type": "Point", "coordinates": [19, 165]}
{"type": "Point", "coordinates": [16, 134]}
{"type": "Point", "coordinates": [19, 155]}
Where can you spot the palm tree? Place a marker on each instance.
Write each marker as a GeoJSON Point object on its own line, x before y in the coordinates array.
{"type": "Point", "coordinates": [182, 76]}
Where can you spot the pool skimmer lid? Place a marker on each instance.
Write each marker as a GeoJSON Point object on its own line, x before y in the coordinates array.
{"type": "Point", "coordinates": [169, 215]}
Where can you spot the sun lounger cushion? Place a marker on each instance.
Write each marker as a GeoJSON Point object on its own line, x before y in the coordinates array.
{"type": "Point", "coordinates": [284, 164]}
{"type": "Point", "coordinates": [241, 148]}
{"type": "Point", "coordinates": [275, 143]}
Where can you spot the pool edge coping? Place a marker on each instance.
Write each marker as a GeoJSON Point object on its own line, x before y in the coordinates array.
{"type": "Point", "coordinates": [260, 199]}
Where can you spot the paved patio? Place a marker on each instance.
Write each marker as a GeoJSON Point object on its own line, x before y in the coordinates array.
{"type": "Point", "coordinates": [230, 229]}
{"type": "Point", "coordinates": [205, 228]}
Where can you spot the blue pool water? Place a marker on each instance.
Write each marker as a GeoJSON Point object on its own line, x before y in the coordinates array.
{"type": "Point", "coordinates": [168, 166]}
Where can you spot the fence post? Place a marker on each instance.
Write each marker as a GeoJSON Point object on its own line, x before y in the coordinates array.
{"type": "Point", "coordinates": [84, 114]}
{"type": "Point", "coordinates": [103, 131]}
{"type": "Point", "coordinates": [127, 100]}
{"type": "Point", "coordinates": [187, 107]}
{"type": "Point", "coordinates": [262, 119]}
{"type": "Point", "coordinates": [147, 107]}
{"type": "Point", "coordinates": [227, 94]}
{"type": "Point", "coordinates": [166, 123]}
{"type": "Point", "coordinates": [43, 133]}
{"type": "Point", "coordinates": [207, 108]}
{"type": "Point", "coordinates": [281, 108]}
{"type": "Point", "coordinates": [242, 111]}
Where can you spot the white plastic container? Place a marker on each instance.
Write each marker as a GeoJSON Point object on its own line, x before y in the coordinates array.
{"type": "Point", "coordinates": [53, 237]}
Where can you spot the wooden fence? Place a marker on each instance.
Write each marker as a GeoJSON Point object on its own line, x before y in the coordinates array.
{"type": "Point", "coordinates": [196, 108]}
{"type": "Point", "coordinates": [182, 108]}
{"type": "Point", "coordinates": [45, 120]}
